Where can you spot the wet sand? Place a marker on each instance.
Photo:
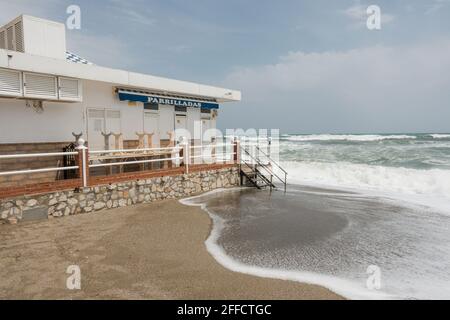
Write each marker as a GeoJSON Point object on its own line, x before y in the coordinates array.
{"type": "Point", "coordinates": [152, 251]}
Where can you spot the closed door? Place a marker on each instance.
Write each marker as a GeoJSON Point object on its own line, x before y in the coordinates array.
{"type": "Point", "coordinates": [180, 126]}
{"type": "Point", "coordinates": [112, 125]}
{"type": "Point", "coordinates": [102, 120]}
{"type": "Point", "coordinates": [206, 125]}
{"type": "Point", "coordinates": [96, 125]}
{"type": "Point", "coordinates": [151, 125]}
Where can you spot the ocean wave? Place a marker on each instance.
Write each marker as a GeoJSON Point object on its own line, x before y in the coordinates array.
{"type": "Point", "coordinates": [431, 182]}
{"type": "Point", "coordinates": [440, 136]}
{"type": "Point", "coordinates": [347, 137]}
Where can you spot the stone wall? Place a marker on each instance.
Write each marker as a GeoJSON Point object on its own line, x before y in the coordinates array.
{"type": "Point", "coordinates": [116, 195]}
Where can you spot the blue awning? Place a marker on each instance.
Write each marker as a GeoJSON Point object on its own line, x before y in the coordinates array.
{"type": "Point", "coordinates": [145, 98]}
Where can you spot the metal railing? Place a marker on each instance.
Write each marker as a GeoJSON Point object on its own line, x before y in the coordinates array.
{"type": "Point", "coordinates": [85, 159]}
{"type": "Point", "coordinates": [213, 153]}
{"type": "Point", "coordinates": [255, 163]}
{"type": "Point", "coordinates": [36, 155]}
{"type": "Point", "coordinates": [271, 161]}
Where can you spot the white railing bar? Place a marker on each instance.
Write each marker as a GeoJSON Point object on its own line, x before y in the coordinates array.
{"type": "Point", "coordinates": [212, 146]}
{"type": "Point", "coordinates": [9, 173]}
{"type": "Point", "coordinates": [130, 162]}
{"type": "Point", "coordinates": [31, 155]}
{"type": "Point", "coordinates": [213, 156]}
{"type": "Point", "coordinates": [219, 145]}
{"type": "Point", "coordinates": [132, 150]}
{"type": "Point", "coordinates": [244, 143]}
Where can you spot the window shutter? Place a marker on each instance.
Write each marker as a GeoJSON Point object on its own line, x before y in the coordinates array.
{"type": "Point", "coordinates": [10, 83]}
{"type": "Point", "coordinates": [96, 113]}
{"type": "Point", "coordinates": [69, 89]}
{"type": "Point", "coordinates": [112, 114]}
{"type": "Point", "coordinates": [10, 38]}
{"type": "Point", "coordinates": [18, 32]}
{"type": "Point", "coordinates": [3, 39]}
{"type": "Point", "coordinates": [40, 86]}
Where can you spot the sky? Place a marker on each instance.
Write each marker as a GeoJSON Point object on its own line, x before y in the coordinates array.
{"type": "Point", "coordinates": [304, 66]}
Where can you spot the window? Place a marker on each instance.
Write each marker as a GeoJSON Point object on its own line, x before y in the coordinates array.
{"type": "Point", "coordinates": [69, 89]}
{"type": "Point", "coordinates": [10, 82]}
{"type": "Point", "coordinates": [206, 111]}
{"type": "Point", "coordinates": [151, 106]}
{"type": "Point", "coordinates": [180, 109]}
{"type": "Point", "coordinates": [40, 86]}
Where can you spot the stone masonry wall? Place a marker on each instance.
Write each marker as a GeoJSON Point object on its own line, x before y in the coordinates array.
{"type": "Point", "coordinates": [116, 195]}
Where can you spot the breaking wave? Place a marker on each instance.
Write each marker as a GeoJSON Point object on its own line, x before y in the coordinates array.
{"type": "Point", "coordinates": [440, 136]}
{"type": "Point", "coordinates": [347, 137]}
{"type": "Point", "coordinates": [388, 180]}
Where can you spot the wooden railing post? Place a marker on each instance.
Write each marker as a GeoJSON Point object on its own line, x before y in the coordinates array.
{"type": "Point", "coordinates": [83, 162]}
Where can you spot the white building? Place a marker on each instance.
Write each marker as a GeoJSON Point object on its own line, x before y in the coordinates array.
{"type": "Point", "coordinates": [47, 93]}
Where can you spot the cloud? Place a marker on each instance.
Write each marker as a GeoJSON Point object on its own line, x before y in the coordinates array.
{"type": "Point", "coordinates": [375, 86]}
{"type": "Point", "coordinates": [135, 12]}
{"type": "Point", "coordinates": [12, 9]}
{"type": "Point", "coordinates": [106, 51]}
{"type": "Point", "coordinates": [436, 6]}
{"type": "Point", "coordinates": [180, 48]}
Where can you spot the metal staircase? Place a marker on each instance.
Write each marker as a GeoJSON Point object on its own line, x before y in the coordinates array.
{"type": "Point", "coordinates": [258, 173]}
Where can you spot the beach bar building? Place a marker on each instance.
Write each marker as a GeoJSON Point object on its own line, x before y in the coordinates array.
{"type": "Point", "coordinates": [52, 99]}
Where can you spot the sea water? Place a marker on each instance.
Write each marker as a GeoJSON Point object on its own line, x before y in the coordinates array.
{"type": "Point", "coordinates": [353, 201]}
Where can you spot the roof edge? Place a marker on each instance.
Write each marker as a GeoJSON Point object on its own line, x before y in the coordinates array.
{"type": "Point", "coordinates": [32, 63]}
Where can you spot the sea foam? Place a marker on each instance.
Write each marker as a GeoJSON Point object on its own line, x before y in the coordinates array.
{"type": "Point", "coordinates": [346, 137]}
{"type": "Point", "coordinates": [343, 287]}
{"type": "Point", "coordinates": [429, 187]}
{"type": "Point", "coordinates": [440, 136]}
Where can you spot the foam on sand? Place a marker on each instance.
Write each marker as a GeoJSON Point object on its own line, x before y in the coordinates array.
{"type": "Point", "coordinates": [346, 288]}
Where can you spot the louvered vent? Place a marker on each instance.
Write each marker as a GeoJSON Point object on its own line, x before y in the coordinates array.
{"type": "Point", "coordinates": [18, 32]}
{"type": "Point", "coordinates": [10, 38]}
{"type": "Point", "coordinates": [94, 113]}
{"type": "Point", "coordinates": [69, 89]}
{"type": "Point", "coordinates": [10, 83]}
{"type": "Point", "coordinates": [40, 86]}
{"type": "Point", "coordinates": [3, 39]}
{"type": "Point", "coordinates": [112, 114]}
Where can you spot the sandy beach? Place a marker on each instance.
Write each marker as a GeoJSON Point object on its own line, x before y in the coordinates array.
{"type": "Point", "coordinates": [152, 251]}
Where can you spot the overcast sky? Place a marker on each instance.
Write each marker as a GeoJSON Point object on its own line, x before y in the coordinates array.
{"type": "Point", "coordinates": [304, 66]}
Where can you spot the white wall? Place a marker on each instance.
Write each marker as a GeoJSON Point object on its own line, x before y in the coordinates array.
{"type": "Point", "coordinates": [166, 120]}
{"type": "Point", "coordinates": [193, 120]}
{"type": "Point", "coordinates": [99, 95]}
{"type": "Point", "coordinates": [44, 38]}
{"type": "Point", "coordinates": [19, 124]}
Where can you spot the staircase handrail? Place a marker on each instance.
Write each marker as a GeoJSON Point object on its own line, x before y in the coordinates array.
{"type": "Point", "coordinates": [265, 167]}
{"type": "Point", "coordinates": [271, 160]}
